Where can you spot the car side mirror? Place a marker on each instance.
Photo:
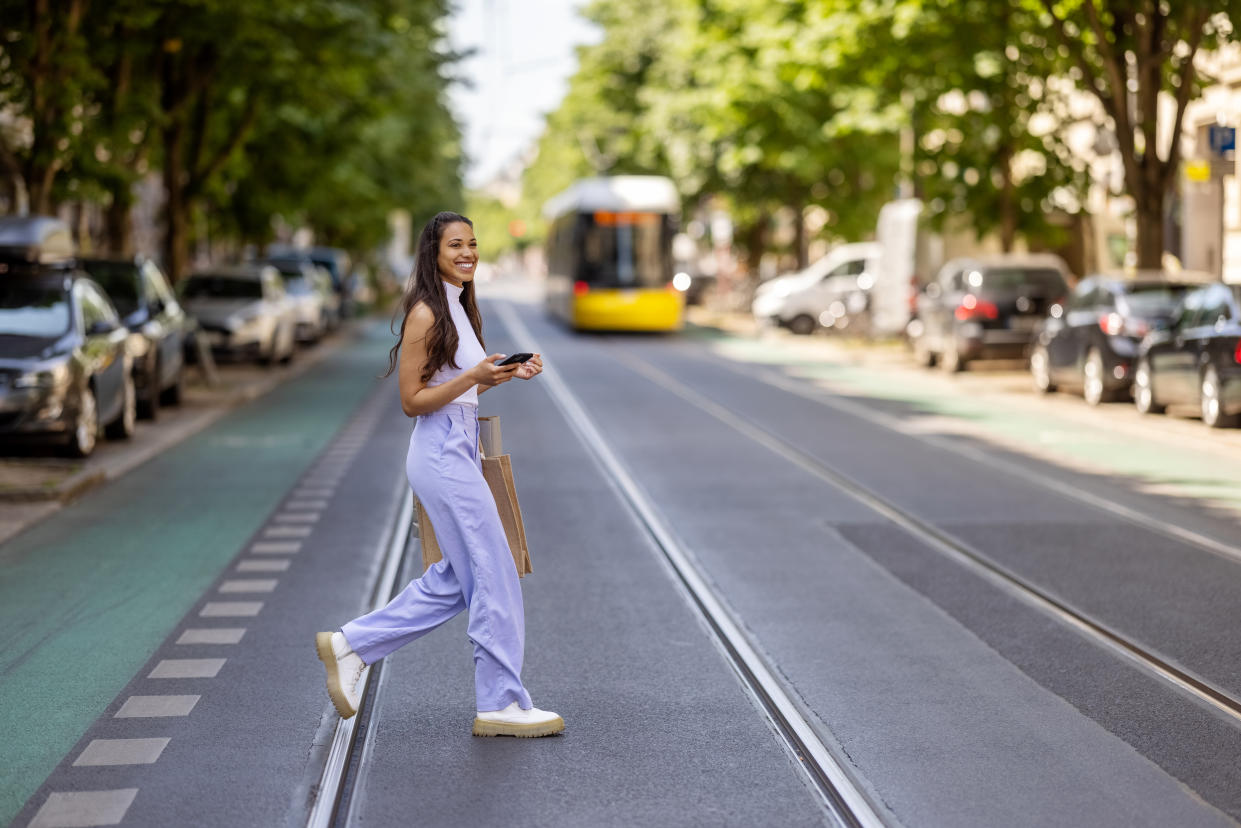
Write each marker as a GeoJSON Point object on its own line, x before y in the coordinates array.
{"type": "Point", "coordinates": [101, 327]}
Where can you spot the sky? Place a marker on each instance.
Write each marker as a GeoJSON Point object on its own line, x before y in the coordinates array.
{"type": "Point", "coordinates": [519, 72]}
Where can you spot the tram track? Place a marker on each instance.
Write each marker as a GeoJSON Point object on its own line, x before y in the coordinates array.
{"type": "Point", "coordinates": [350, 748]}
{"type": "Point", "coordinates": [1024, 589]}
{"type": "Point", "coordinates": [829, 773]}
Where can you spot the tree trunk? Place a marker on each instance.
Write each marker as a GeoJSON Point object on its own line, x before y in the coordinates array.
{"type": "Point", "coordinates": [118, 225]}
{"type": "Point", "coordinates": [177, 208]}
{"type": "Point", "coordinates": [799, 237]}
{"type": "Point", "coordinates": [1008, 199]}
{"type": "Point", "coordinates": [1149, 214]}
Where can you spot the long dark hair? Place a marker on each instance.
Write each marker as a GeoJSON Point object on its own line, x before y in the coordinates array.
{"type": "Point", "coordinates": [426, 285]}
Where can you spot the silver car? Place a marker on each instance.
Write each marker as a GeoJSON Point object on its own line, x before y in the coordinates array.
{"type": "Point", "coordinates": [243, 311]}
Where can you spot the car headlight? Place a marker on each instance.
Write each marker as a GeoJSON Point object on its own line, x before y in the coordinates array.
{"type": "Point", "coordinates": [240, 319]}
{"type": "Point", "coordinates": [49, 376]}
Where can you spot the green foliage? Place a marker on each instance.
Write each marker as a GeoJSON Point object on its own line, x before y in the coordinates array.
{"type": "Point", "coordinates": [319, 112]}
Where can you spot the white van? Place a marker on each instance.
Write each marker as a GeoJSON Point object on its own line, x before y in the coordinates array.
{"type": "Point", "coordinates": [803, 301]}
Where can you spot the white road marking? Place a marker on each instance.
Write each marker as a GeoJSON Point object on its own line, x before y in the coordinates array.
{"type": "Point", "coordinates": [274, 565]}
{"type": "Point", "coordinates": [186, 668]}
{"type": "Point", "coordinates": [150, 707]}
{"type": "Point", "coordinates": [231, 609]}
{"type": "Point", "coordinates": [83, 808]}
{"type": "Point", "coordinates": [276, 548]}
{"type": "Point", "coordinates": [298, 517]}
{"type": "Point", "coordinates": [121, 752]}
{"type": "Point", "coordinates": [312, 491]}
{"type": "Point", "coordinates": [249, 585]}
{"type": "Point", "coordinates": [306, 504]}
{"type": "Point", "coordinates": [213, 635]}
{"type": "Point", "coordinates": [287, 532]}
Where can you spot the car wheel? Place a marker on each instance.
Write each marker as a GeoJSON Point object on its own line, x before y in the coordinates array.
{"type": "Point", "coordinates": [1040, 370]}
{"type": "Point", "coordinates": [85, 432]}
{"type": "Point", "coordinates": [1093, 388]}
{"type": "Point", "coordinates": [1212, 406]}
{"type": "Point", "coordinates": [1143, 392]}
{"type": "Point", "coordinates": [122, 428]}
{"type": "Point", "coordinates": [149, 407]}
{"type": "Point", "coordinates": [175, 393]}
{"type": "Point", "coordinates": [802, 324]}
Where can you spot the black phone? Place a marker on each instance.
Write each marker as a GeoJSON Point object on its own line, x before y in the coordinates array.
{"type": "Point", "coordinates": [515, 359]}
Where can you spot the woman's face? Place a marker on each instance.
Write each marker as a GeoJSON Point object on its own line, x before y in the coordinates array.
{"type": "Point", "coordinates": [458, 253]}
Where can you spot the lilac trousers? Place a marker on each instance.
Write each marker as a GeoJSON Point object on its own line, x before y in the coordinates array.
{"type": "Point", "coordinates": [476, 572]}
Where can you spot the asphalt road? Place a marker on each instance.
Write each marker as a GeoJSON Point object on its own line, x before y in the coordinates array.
{"type": "Point", "coordinates": [952, 702]}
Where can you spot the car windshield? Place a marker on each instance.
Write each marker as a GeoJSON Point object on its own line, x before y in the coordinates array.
{"type": "Point", "coordinates": [297, 287]}
{"type": "Point", "coordinates": [119, 280]}
{"type": "Point", "coordinates": [223, 287]}
{"type": "Point", "coordinates": [33, 310]}
{"type": "Point", "coordinates": [1152, 300]}
{"type": "Point", "coordinates": [1049, 282]}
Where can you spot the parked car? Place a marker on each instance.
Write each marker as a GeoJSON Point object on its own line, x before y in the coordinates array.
{"type": "Point", "coordinates": [332, 259]}
{"type": "Point", "coordinates": [1090, 343]}
{"type": "Point", "coordinates": [305, 290]}
{"type": "Point", "coordinates": [799, 300]}
{"type": "Point", "coordinates": [1196, 360]}
{"type": "Point", "coordinates": [64, 365]}
{"type": "Point", "coordinates": [243, 311]}
{"type": "Point", "coordinates": [159, 327]}
{"type": "Point", "coordinates": [985, 308]}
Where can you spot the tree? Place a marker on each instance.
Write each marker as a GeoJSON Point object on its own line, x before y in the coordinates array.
{"type": "Point", "coordinates": [1129, 54]}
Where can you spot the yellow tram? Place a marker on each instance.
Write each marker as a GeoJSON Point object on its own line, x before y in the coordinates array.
{"type": "Point", "coordinates": [609, 255]}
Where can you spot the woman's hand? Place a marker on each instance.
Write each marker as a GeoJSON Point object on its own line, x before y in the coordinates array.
{"type": "Point", "coordinates": [531, 368]}
{"type": "Point", "coordinates": [489, 374]}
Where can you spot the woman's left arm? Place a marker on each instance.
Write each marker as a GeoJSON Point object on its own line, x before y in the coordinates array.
{"type": "Point", "coordinates": [529, 369]}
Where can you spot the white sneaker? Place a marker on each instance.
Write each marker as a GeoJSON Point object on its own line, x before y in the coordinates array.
{"type": "Point", "coordinates": [513, 721]}
{"type": "Point", "coordinates": [344, 669]}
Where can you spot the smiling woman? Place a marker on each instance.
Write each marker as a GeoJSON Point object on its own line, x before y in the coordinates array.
{"type": "Point", "coordinates": [442, 370]}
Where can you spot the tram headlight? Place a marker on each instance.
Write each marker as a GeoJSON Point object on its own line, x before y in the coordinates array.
{"type": "Point", "coordinates": [681, 281]}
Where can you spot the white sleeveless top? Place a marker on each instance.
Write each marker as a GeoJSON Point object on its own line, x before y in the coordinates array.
{"type": "Point", "coordinates": [469, 350]}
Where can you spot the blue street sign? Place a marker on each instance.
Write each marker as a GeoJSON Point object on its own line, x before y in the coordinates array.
{"type": "Point", "coordinates": [1222, 139]}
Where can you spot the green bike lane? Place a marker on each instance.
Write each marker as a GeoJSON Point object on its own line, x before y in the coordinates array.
{"type": "Point", "coordinates": [1098, 442]}
{"type": "Point", "coordinates": [87, 595]}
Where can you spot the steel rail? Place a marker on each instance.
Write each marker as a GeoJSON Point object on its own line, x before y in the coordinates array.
{"type": "Point", "coordinates": [842, 795]}
{"type": "Point", "coordinates": [1061, 487]}
{"type": "Point", "coordinates": [957, 550]}
{"type": "Point", "coordinates": [335, 780]}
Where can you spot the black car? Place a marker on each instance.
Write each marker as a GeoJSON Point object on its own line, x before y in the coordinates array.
{"type": "Point", "coordinates": [1197, 359]}
{"type": "Point", "coordinates": [148, 307]}
{"type": "Point", "coordinates": [1090, 343]}
{"type": "Point", "coordinates": [64, 363]}
{"type": "Point", "coordinates": [984, 308]}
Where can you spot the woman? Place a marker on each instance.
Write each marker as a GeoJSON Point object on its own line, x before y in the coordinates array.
{"type": "Point", "coordinates": [443, 369]}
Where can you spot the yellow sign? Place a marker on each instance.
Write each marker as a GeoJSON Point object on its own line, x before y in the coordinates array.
{"type": "Point", "coordinates": [1197, 170]}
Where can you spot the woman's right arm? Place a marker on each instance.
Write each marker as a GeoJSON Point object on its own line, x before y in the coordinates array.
{"type": "Point", "coordinates": [416, 397]}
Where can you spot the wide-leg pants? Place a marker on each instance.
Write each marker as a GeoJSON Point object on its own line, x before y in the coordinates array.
{"type": "Point", "coordinates": [476, 571]}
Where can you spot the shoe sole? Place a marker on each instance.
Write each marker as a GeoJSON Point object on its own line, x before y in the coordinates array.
{"type": "Point", "coordinates": [323, 646]}
{"type": "Point", "coordinates": [482, 727]}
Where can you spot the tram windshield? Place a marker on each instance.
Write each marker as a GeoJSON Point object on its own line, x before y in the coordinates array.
{"type": "Point", "coordinates": [625, 249]}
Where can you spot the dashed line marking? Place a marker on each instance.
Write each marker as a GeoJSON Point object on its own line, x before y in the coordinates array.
{"type": "Point", "coordinates": [231, 609]}
{"type": "Point", "coordinates": [306, 504]}
{"type": "Point", "coordinates": [271, 565]}
{"type": "Point", "coordinates": [153, 707]}
{"type": "Point", "coordinates": [276, 548]}
{"type": "Point", "coordinates": [248, 585]}
{"type": "Point", "coordinates": [102, 752]}
{"type": "Point", "coordinates": [287, 532]}
{"type": "Point", "coordinates": [187, 668]}
{"type": "Point", "coordinates": [212, 635]}
{"type": "Point", "coordinates": [84, 808]}
{"type": "Point", "coordinates": [298, 517]}
{"type": "Point", "coordinates": [313, 491]}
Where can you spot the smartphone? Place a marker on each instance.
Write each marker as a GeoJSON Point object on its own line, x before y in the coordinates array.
{"type": "Point", "coordinates": [515, 359]}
